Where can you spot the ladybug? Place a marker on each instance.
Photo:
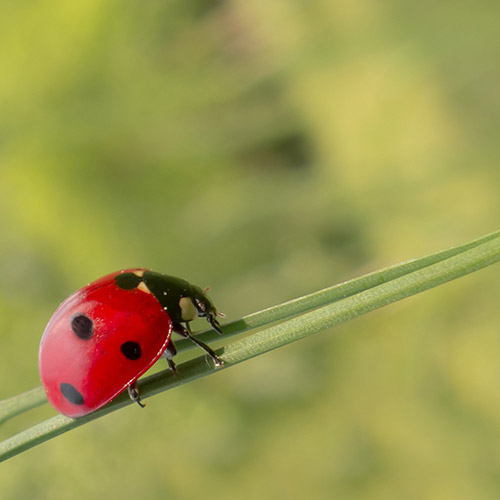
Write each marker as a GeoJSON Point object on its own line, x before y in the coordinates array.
{"type": "Point", "coordinates": [106, 335]}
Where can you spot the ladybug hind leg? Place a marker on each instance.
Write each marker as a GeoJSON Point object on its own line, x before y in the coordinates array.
{"type": "Point", "coordinates": [133, 392]}
{"type": "Point", "coordinates": [185, 331]}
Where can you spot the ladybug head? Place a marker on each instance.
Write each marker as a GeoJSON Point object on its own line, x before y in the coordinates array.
{"type": "Point", "coordinates": [205, 307]}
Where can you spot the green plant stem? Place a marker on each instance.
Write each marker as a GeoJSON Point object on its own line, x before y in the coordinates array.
{"type": "Point", "coordinates": [333, 293]}
{"type": "Point", "coordinates": [347, 301]}
{"type": "Point", "coordinates": [20, 403]}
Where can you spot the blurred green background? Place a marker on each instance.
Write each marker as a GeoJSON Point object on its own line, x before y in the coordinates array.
{"type": "Point", "coordinates": [267, 149]}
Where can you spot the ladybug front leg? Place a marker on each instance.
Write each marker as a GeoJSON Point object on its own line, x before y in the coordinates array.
{"type": "Point", "coordinates": [133, 392]}
{"type": "Point", "coordinates": [185, 332]}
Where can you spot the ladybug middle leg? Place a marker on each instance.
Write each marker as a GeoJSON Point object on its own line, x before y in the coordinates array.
{"type": "Point", "coordinates": [185, 331]}
{"type": "Point", "coordinates": [168, 354]}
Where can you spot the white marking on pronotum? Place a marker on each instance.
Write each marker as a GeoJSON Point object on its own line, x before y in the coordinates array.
{"type": "Point", "coordinates": [142, 286]}
{"type": "Point", "coordinates": [188, 309]}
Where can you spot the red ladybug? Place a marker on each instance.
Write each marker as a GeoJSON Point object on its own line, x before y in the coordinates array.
{"type": "Point", "coordinates": [106, 335]}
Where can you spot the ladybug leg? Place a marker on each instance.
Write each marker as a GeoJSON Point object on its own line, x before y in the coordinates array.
{"type": "Point", "coordinates": [185, 331]}
{"type": "Point", "coordinates": [214, 323]}
{"type": "Point", "coordinates": [133, 392]}
{"type": "Point", "coordinates": [168, 354]}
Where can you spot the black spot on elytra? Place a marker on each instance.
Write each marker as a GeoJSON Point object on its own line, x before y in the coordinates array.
{"type": "Point", "coordinates": [82, 326]}
{"type": "Point", "coordinates": [127, 281]}
{"type": "Point", "coordinates": [71, 394]}
{"type": "Point", "coordinates": [131, 350]}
